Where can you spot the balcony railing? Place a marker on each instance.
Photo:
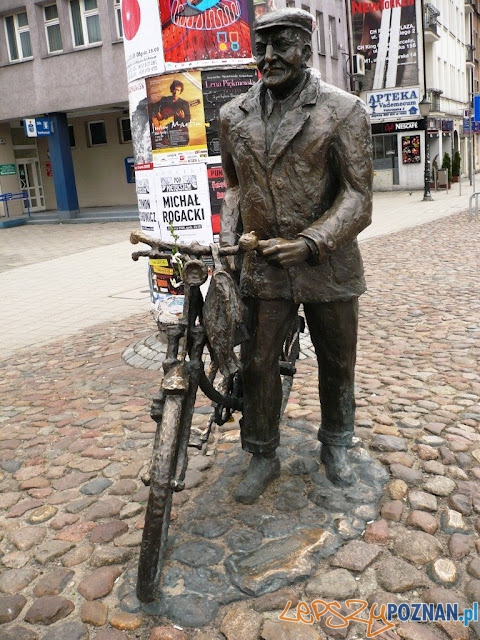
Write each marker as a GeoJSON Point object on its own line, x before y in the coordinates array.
{"type": "Point", "coordinates": [430, 23]}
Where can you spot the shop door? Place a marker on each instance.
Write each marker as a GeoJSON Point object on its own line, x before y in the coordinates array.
{"type": "Point", "coordinates": [31, 182]}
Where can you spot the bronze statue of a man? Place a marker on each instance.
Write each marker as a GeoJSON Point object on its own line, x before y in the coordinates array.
{"type": "Point", "coordinates": [297, 158]}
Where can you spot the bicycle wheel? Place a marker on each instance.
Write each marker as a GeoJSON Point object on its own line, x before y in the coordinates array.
{"type": "Point", "coordinates": [290, 353]}
{"type": "Point", "coordinates": [157, 517]}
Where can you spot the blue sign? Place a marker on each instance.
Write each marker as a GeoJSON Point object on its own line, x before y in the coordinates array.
{"type": "Point", "coordinates": [472, 127]}
{"type": "Point", "coordinates": [476, 108]}
{"type": "Point", "coordinates": [37, 127]}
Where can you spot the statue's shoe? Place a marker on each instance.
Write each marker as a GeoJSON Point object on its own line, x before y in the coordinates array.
{"type": "Point", "coordinates": [337, 465]}
{"type": "Point", "coordinates": [260, 473]}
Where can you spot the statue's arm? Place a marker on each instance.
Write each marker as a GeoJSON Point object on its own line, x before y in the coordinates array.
{"type": "Point", "coordinates": [351, 211]}
{"type": "Point", "coordinates": [231, 224]}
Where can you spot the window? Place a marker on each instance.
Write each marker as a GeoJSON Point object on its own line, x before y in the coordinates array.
{"type": "Point", "coordinates": [124, 130]}
{"type": "Point", "coordinates": [18, 36]}
{"type": "Point", "coordinates": [291, 4]}
{"type": "Point", "coordinates": [320, 34]}
{"type": "Point", "coordinates": [71, 135]}
{"type": "Point", "coordinates": [97, 133]}
{"type": "Point", "coordinates": [118, 18]}
{"type": "Point", "coordinates": [332, 36]}
{"type": "Point", "coordinates": [52, 28]}
{"type": "Point", "coordinates": [85, 22]}
{"type": "Point", "coordinates": [384, 151]}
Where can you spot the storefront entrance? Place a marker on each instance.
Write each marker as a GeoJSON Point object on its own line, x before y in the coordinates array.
{"type": "Point", "coordinates": [31, 182]}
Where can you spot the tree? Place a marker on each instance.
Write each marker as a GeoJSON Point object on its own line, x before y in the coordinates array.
{"type": "Point", "coordinates": [456, 164]}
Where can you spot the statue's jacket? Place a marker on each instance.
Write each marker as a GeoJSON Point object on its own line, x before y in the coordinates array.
{"type": "Point", "coordinates": [315, 181]}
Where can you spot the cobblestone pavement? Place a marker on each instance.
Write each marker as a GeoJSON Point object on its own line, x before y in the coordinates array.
{"type": "Point", "coordinates": [75, 437]}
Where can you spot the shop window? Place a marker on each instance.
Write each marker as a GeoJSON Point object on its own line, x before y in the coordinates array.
{"type": "Point", "coordinates": [97, 134]}
{"type": "Point", "coordinates": [85, 22]}
{"type": "Point", "coordinates": [320, 34]}
{"type": "Point", "coordinates": [118, 18]}
{"type": "Point", "coordinates": [18, 37]}
{"type": "Point", "coordinates": [384, 151]}
{"type": "Point", "coordinates": [124, 130]}
{"type": "Point", "coordinates": [52, 28]}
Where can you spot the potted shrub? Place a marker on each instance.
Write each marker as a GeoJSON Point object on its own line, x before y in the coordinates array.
{"type": "Point", "coordinates": [447, 164]}
{"type": "Point", "coordinates": [456, 167]}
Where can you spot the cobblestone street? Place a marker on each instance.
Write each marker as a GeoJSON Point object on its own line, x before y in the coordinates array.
{"type": "Point", "coordinates": [76, 436]}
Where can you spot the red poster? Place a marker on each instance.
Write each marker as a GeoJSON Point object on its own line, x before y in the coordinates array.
{"type": "Point", "coordinates": [202, 33]}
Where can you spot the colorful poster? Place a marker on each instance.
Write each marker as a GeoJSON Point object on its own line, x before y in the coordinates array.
{"type": "Point", "coordinates": [142, 39]}
{"type": "Point", "coordinates": [219, 87]}
{"type": "Point", "coordinates": [217, 187]}
{"type": "Point", "coordinates": [176, 118]}
{"type": "Point", "coordinates": [410, 149]}
{"type": "Point", "coordinates": [139, 122]}
{"type": "Point", "coordinates": [385, 33]}
{"type": "Point", "coordinates": [206, 33]}
{"type": "Point", "coordinates": [183, 203]}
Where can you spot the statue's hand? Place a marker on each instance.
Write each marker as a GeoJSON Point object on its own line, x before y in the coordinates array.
{"type": "Point", "coordinates": [286, 252]}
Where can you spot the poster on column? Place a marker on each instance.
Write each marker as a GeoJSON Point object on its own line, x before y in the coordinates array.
{"type": "Point", "coordinates": [219, 87]}
{"type": "Point", "coordinates": [385, 32]}
{"type": "Point", "coordinates": [139, 122]}
{"type": "Point", "coordinates": [183, 203]}
{"type": "Point", "coordinates": [177, 121]}
{"type": "Point", "coordinates": [217, 187]}
{"type": "Point", "coordinates": [206, 33]}
{"type": "Point", "coordinates": [142, 39]}
{"type": "Point", "coordinates": [147, 202]}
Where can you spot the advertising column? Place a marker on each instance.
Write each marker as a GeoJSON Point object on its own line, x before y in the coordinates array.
{"type": "Point", "coordinates": [184, 61]}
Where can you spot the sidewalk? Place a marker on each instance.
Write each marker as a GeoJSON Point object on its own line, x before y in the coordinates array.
{"type": "Point", "coordinates": [76, 437]}
{"type": "Point", "coordinates": [56, 280]}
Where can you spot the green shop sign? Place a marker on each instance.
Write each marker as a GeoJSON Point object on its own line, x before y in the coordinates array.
{"type": "Point", "coordinates": [7, 170]}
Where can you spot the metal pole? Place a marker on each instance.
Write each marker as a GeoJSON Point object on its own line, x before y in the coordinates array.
{"type": "Point", "coordinates": [426, 191]}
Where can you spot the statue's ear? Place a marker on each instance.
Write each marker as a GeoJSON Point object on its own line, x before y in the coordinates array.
{"type": "Point", "coordinates": [306, 53]}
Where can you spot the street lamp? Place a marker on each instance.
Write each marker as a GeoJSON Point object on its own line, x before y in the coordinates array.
{"type": "Point", "coordinates": [425, 106]}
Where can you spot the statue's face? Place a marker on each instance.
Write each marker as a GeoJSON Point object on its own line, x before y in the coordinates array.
{"type": "Point", "coordinates": [281, 55]}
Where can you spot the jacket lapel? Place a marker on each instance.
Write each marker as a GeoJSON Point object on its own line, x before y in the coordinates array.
{"type": "Point", "coordinates": [252, 128]}
{"type": "Point", "coordinates": [293, 121]}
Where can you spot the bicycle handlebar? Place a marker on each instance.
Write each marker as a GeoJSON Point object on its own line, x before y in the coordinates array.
{"type": "Point", "coordinates": [247, 242]}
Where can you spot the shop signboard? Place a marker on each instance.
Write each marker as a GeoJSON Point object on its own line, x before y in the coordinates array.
{"type": "Point", "coordinates": [8, 169]}
{"type": "Point", "coordinates": [397, 103]}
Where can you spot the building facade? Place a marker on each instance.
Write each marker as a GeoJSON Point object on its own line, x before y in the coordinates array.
{"type": "Point", "coordinates": [64, 60]}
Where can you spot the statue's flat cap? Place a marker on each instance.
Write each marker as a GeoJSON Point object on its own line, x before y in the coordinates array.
{"type": "Point", "coordinates": [296, 18]}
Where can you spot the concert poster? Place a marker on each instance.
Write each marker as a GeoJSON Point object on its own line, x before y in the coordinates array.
{"type": "Point", "coordinates": [142, 39]}
{"type": "Point", "coordinates": [206, 33]}
{"type": "Point", "coordinates": [386, 34]}
{"type": "Point", "coordinates": [219, 87]}
{"type": "Point", "coordinates": [176, 118]}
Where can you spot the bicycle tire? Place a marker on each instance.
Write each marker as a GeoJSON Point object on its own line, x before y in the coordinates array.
{"type": "Point", "coordinates": [157, 517]}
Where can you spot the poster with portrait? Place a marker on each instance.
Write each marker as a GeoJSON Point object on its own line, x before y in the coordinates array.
{"type": "Point", "coordinates": [385, 33]}
{"type": "Point", "coordinates": [219, 87]}
{"type": "Point", "coordinates": [411, 149]}
{"type": "Point", "coordinates": [176, 118]}
{"type": "Point", "coordinates": [206, 33]}
{"type": "Point", "coordinates": [183, 203]}
{"type": "Point", "coordinates": [142, 39]}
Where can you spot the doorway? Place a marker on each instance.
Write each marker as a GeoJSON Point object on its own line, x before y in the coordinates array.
{"type": "Point", "coordinates": [31, 182]}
